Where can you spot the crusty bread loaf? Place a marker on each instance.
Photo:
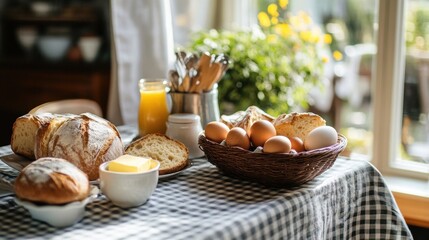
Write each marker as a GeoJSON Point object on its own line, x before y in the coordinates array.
{"type": "Point", "coordinates": [173, 155]}
{"type": "Point", "coordinates": [86, 141]}
{"type": "Point", "coordinates": [45, 132]}
{"type": "Point", "coordinates": [101, 120]}
{"type": "Point", "coordinates": [297, 124]}
{"type": "Point", "coordinates": [51, 181]}
{"type": "Point", "coordinates": [24, 132]}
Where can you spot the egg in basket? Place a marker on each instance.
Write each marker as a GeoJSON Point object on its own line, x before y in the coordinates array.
{"type": "Point", "coordinates": [285, 151]}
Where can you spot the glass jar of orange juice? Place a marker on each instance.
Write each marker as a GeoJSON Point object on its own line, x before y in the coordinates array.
{"type": "Point", "coordinates": [153, 110]}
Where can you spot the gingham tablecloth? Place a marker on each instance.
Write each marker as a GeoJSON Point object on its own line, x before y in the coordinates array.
{"type": "Point", "coordinates": [349, 201]}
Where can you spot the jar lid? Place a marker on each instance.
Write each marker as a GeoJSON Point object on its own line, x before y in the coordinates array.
{"type": "Point", "coordinates": [183, 118]}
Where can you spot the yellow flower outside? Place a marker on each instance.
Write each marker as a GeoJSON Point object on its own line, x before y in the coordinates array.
{"type": "Point", "coordinates": [264, 20]}
{"type": "Point", "coordinates": [327, 38]}
{"type": "Point", "coordinates": [272, 10]}
{"type": "Point", "coordinates": [305, 36]}
{"type": "Point", "coordinates": [315, 34]}
{"type": "Point", "coordinates": [283, 3]}
{"type": "Point", "coordinates": [274, 20]}
{"type": "Point", "coordinates": [283, 29]}
{"type": "Point", "coordinates": [315, 38]}
{"type": "Point", "coordinates": [337, 55]}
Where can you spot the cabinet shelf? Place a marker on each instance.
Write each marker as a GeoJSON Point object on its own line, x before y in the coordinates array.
{"type": "Point", "coordinates": [16, 62]}
{"type": "Point", "coordinates": [68, 15]}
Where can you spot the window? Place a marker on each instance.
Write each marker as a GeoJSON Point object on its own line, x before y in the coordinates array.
{"type": "Point", "coordinates": [414, 137]}
{"type": "Point", "coordinates": [381, 74]}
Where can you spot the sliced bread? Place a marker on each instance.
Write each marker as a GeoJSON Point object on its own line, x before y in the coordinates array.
{"type": "Point", "coordinates": [297, 124]}
{"type": "Point", "coordinates": [173, 155]}
{"type": "Point", "coordinates": [24, 132]}
{"type": "Point", "coordinates": [251, 115]}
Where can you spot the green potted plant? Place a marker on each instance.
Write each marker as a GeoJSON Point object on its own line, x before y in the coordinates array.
{"type": "Point", "coordinates": [417, 33]}
{"type": "Point", "coordinates": [274, 65]}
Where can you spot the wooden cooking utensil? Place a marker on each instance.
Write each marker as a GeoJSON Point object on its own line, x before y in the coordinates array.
{"type": "Point", "coordinates": [215, 74]}
{"type": "Point", "coordinates": [203, 70]}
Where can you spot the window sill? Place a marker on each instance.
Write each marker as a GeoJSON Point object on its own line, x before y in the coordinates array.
{"type": "Point", "coordinates": [412, 197]}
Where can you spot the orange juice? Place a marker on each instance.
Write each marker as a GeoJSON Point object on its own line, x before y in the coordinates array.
{"type": "Point", "coordinates": [153, 111]}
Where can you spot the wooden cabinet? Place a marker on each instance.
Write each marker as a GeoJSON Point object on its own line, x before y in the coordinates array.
{"type": "Point", "coordinates": [28, 78]}
{"type": "Point", "coordinates": [24, 86]}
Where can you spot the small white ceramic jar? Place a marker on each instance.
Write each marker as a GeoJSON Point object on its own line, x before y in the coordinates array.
{"type": "Point", "coordinates": [185, 128]}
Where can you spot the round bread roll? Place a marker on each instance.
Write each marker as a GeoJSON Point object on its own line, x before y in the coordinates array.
{"type": "Point", "coordinates": [87, 142]}
{"type": "Point", "coordinates": [52, 181]}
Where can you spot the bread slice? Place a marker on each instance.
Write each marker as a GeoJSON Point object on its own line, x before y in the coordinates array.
{"type": "Point", "coordinates": [173, 155]}
{"type": "Point", "coordinates": [24, 132]}
{"type": "Point", "coordinates": [297, 124]}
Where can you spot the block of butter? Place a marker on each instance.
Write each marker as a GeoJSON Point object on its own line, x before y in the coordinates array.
{"type": "Point", "coordinates": [129, 163]}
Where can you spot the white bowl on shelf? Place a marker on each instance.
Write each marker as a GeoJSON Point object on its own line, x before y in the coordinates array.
{"type": "Point", "coordinates": [41, 8]}
{"type": "Point", "coordinates": [89, 47]}
{"type": "Point", "coordinates": [27, 37]}
{"type": "Point", "coordinates": [54, 47]}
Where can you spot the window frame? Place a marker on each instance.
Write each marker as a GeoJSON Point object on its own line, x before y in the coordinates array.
{"type": "Point", "coordinates": [388, 88]}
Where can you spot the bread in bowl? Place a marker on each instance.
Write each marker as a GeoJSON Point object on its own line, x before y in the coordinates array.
{"type": "Point", "coordinates": [51, 181]}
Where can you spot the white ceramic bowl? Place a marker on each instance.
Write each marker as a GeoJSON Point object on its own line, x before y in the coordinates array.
{"type": "Point", "coordinates": [41, 7]}
{"type": "Point", "coordinates": [89, 47]}
{"type": "Point", "coordinates": [54, 47]}
{"type": "Point", "coordinates": [128, 189]}
{"type": "Point", "coordinates": [58, 215]}
{"type": "Point", "coordinates": [27, 36]}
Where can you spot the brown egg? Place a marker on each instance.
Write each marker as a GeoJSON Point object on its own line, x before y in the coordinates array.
{"type": "Point", "coordinates": [261, 131]}
{"type": "Point", "coordinates": [237, 137]}
{"type": "Point", "coordinates": [277, 144]}
{"type": "Point", "coordinates": [297, 144]}
{"type": "Point", "coordinates": [216, 131]}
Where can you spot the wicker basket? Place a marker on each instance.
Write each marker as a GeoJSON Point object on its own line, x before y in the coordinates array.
{"type": "Point", "coordinates": [272, 169]}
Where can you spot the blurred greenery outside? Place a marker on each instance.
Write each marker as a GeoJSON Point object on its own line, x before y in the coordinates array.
{"type": "Point", "coordinates": [277, 77]}
{"type": "Point", "coordinates": [417, 27]}
{"type": "Point", "coordinates": [273, 66]}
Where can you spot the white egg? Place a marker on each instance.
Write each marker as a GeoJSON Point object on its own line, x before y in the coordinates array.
{"type": "Point", "coordinates": [320, 137]}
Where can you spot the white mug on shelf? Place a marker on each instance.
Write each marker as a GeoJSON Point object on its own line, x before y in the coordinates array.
{"type": "Point", "coordinates": [89, 46]}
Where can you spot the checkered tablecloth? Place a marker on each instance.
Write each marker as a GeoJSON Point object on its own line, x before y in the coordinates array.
{"type": "Point", "coordinates": [348, 201]}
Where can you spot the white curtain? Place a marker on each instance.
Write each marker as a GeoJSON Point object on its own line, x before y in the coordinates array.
{"type": "Point", "coordinates": [142, 47]}
{"type": "Point", "coordinates": [143, 44]}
